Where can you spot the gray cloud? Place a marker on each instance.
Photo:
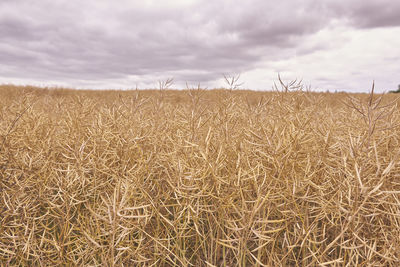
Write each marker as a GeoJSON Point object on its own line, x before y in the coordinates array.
{"type": "Point", "coordinates": [102, 41]}
{"type": "Point", "coordinates": [368, 13]}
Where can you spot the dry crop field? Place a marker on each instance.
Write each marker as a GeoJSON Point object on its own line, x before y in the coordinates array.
{"type": "Point", "coordinates": [198, 178]}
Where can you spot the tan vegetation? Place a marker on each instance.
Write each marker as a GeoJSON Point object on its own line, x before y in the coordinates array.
{"type": "Point", "coordinates": [198, 178]}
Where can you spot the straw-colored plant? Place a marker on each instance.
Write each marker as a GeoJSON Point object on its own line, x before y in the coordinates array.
{"type": "Point", "coordinates": [198, 178]}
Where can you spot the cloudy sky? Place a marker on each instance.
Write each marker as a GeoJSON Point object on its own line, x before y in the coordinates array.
{"type": "Point", "coordinates": [330, 44]}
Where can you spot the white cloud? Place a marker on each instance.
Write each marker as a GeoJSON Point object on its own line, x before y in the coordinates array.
{"type": "Point", "coordinates": [103, 44]}
{"type": "Point", "coordinates": [356, 59]}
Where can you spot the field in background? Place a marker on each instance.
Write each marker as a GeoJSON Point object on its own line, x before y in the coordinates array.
{"type": "Point", "coordinates": [198, 178]}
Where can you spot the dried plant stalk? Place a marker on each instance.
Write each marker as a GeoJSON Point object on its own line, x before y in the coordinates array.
{"type": "Point", "coordinates": [198, 178]}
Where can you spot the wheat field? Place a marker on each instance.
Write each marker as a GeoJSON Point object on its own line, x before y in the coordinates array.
{"type": "Point", "coordinates": [198, 178]}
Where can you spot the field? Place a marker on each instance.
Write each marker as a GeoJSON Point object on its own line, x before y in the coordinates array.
{"type": "Point", "coordinates": [198, 178]}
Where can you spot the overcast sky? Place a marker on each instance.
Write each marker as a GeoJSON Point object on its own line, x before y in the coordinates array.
{"type": "Point", "coordinates": [330, 44]}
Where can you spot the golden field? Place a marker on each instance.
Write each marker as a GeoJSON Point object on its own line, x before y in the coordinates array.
{"type": "Point", "coordinates": [198, 178]}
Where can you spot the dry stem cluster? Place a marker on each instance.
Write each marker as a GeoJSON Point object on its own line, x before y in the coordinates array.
{"type": "Point", "coordinates": [197, 178]}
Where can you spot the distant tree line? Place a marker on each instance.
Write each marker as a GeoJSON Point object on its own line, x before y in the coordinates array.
{"type": "Point", "coordinates": [397, 91]}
